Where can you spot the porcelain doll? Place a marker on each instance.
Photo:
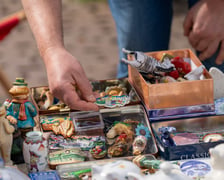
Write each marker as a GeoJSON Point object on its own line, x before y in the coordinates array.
{"type": "Point", "coordinates": [21, 111]}
{"type": "Point", "coordinates": [9, 173]}
{"type": "Point", "coordinates": [168, 171]}
{"type": "Point", "coordinates": [147, 64]}
{"type": "Point", "coordinates": [117, 170]}
{"type": "Point", "coordinates": [217, 163]}
{"type": "Point", "coordinates": [6, 131]}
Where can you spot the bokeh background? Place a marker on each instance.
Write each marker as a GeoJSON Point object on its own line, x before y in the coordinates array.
{"type": "Point", "coordinates": [89, 34]}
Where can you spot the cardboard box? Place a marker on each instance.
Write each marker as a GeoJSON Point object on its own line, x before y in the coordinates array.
{"type": "Point", "coordinates": [176, 94]}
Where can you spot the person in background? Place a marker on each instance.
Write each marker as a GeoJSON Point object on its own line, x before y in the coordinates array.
{"type": "Point", "coordinates": [141, 26]}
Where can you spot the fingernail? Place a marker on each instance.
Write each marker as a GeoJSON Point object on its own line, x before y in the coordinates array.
{"type": "Point", "coordinates": [91, 98]}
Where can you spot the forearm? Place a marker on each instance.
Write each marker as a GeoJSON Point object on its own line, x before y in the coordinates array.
{"type": "Point", "coordinates": [45, 19]}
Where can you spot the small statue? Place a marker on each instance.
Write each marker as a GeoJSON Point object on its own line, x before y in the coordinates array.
{"type": "Point", "coordinates": [166, 136]}
{"type": "Point", "coordinates": [6, 131]}
{"type": "Point", "coordinates": [115, 170]}
{"type": "Point", "coordinates": [195, 74]}
{"type": "Point", "coordinates": [148, 162]}
{"type": "Point", "coordinates": [21, 111]}
{"type": "Point", "coordinates": [217, 163]}
{"type": "Point", "coordinates": [99, 150]}
{"type": "Point", "coordinates": [139, 145]}
{"type": "Point", "coordinates": [48, 99]}
{"type": "Point", "coordinates": [147, 64]}
{"type": "Point", "coordinates": [120, 128]}
{"type": "Point", "coordinates": [168, 171]}
{"type": "Point", "coordinates": [120, 146]}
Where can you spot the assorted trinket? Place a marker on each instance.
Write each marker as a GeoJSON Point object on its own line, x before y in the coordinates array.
{"type": "Point", "coordinates": [35, 151]}
{"type": "Point", "coordinates": [46, 102]}
{"type": "Point", "coordinates": [85, 143]}
{"type": "Point", "coordinates": [88, 123]}
{"type": "Point", "coordinates": [6, 134]}
{"type": "Point", "coordinates": [99, 150]}
{"type": "Point", "coordinates": [44, 175]}
{"type": "Point", "coordinates": [115, 93]}
{"type": "Point", "coordinates": [59, 124]}
{"type": "Point", "coordinates": [21, 113]}
{"type": "Point", "coordinates": [139, 145]}
{"type": "Point", "coordinates": [118, 170]}
{"type": "Point", "coordinates": [166, 137]}
{"type": "Point", "coordinates": [168, 69]}
{"type": "Point", "coordinates": [66, 156]}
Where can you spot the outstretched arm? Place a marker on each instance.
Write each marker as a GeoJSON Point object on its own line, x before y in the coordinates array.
{"type": "Point", "coordinates": [66, 77]}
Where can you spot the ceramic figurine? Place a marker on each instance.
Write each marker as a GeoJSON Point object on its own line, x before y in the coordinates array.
{"type": "Point", "coordinates": [9, 172]}
{"type": "Point", "coordinates": [217, 163]}
{"type": "Point", "coordinates": [142, 130]}
{"type": "Point", "coordinates": [99, 150]}
{"type": "Point", "coordinates": [21, 111]}
{"type": "Point", "coordinates": [116, 90]}
{"type": "Point", "coordinates": [166, 136]}
{"type": "Point", "coordinates": [117, 170]}
{"type": "Point", "coordinates": [35, 151]}
{"type": "Point", "coordinates": [149, 162]}
{"type": "Point", "coordinates": [168, 171]}
{"type": "Point", "coordinates": [6, 131]}
{"type": "Point", "coordinates": [120, 128]}
{"type": "Point", "coordinates": [218, 79]}
{"type": "Point", "coordinates": [182, 66]}
{"type": "Point", "coordinates": [148, 64]}
{"type": "Point", "coordinates": [47, 97]}
{"type": "Point", "coordinates": [195, 74]}
{"type": "Point", "coordinates": [65, 156]}
{"type": "Point", "coordinates": [139, 145]}
{"type": "Point", "coordinates": [120, 147]}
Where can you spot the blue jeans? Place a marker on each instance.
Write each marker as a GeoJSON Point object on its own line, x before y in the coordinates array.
{"type": "Point", "coordinates": [145, 25]}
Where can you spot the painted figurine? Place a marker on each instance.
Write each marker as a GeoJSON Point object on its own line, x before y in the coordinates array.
{"type": "Point", "coordinates": [21, 111]}
{"type": "Point", "coordinates": [217, 163]}
{"type": "Point", "coordinates": [139, 145]}
{"type": "Point", "coordinates": [166, 136]}
{"type": "Point", "coordinates": [168, 171]}
{"type": "Point", "coordinates": [147, 64]}
{"type": "Point", "coordinates": [6, 131]}
{"type": "Point", "coordinates": [115, 170]}
{"type": "Point", "coordinates": [99, 150]}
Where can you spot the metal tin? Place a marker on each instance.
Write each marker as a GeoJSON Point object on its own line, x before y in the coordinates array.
{"type": "Point", "coordinates": [41, 96]}
{"type": "Point", "coordinates": [199, 126]}
{"type": "Point", "coordinates": [177, 94]}
{"type": "Point", "coordinates": [181, 112]}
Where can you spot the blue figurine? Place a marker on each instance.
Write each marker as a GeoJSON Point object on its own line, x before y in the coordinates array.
{"type": "Point", "coordinates": [166, 136]}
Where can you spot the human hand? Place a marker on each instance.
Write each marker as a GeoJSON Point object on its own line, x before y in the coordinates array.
{"type": "Point", "coordinates": [204, 26]}
{"type": "Point", "coordinates": [11, 119]}
{"type": "Point", "coordinates": [67, 80]}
